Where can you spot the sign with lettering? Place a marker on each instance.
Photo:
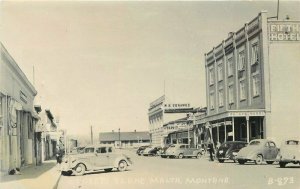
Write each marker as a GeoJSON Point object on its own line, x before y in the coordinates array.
{"type": "Point", "coordinates": [176, 106]}
{"type": "Point", "coordinates": [244, 114]}
{"type": "Point", "coordinates": [284, 30]}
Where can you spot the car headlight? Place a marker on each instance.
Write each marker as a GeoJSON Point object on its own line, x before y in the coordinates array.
{"type": "Point", "coordinates": [234, 153]}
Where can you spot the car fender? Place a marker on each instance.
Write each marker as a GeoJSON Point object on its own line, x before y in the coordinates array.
{"type": "Point", "coordinates": [253, 155]}
{"type": "Point", "coordinates": [77, 162]}
{"type": "Point", "coordinates": [117, 160]}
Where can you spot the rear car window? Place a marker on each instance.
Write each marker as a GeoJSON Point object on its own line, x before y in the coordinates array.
{"type": "Point", "coordinates": [254, 143]}
{"type": "Point", "coordinates": [101, 150]}
{"type": "Point", "coordinates": [292, 142]}
{"type": "Point", "coordinates": [89, 150]}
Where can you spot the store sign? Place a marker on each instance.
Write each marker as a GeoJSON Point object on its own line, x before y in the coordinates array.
{"type": "Point", "coordinates": [177, 108]}
{"type": "Point", "coordinates": [284, 31]}
{"type": "Point", "coordinates": [242, 114]}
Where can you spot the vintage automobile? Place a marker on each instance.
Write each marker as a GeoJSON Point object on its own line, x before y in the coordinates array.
{"type": "Point", "coordinates": [258, 150]}
{"type": "Point", "coordinates": [94, 158]}
{"type": "Point", "coordinates": [163, 151]}
{"type": "Point", "coordinates": [289, 152]}
{"type": "Point", "coordinates": [141, 149]}
{"type": "Point", "coordinates": [228, 150]}
{"type": "Point", "coordinates": [77, 150]}
{"type": "Point", "coordinates": [152, 151]}
{"type": "Point", "coordinates": [182, 150]}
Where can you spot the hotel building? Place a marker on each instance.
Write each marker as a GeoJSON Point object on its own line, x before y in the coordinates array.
{"type": "Point", "coordinates": [252, 83]}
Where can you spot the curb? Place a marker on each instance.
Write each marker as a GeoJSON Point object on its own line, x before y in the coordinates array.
{"type": "Point", "coordinates": [56, 184]}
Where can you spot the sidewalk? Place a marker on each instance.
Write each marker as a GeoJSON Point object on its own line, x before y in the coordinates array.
{"type": "Point", "coordinates": [45, 176]}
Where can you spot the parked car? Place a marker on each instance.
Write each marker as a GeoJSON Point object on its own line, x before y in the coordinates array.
{"type": "Point", "coordinates": [228, 150]}
{"type": "Point", "coordinates": [182, 150]}
{"type": "Point", "coordinates": [77, 150]}
{"type": "Point", "coordinates": [97, 157]}
{"type": "Point", "coordinates": [289, 153]}
{"type": "Point", "coordinates": [258, 150]}
{"type": "Point", "coordinates": [152, 151]}
{"type": "Point", "coordinates": [140, 150]}
{"type": "Point", "coordinates": [163, 151]}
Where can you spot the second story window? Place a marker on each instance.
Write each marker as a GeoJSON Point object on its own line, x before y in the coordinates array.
{"type": "Point", "coordinates": [242, 90]}
{"type": "Point", "coordinates": [211, 76]}
{"type": "Point", "coordinates": [230, 94]}
{"type": "Point", "coordinates": [256, 85]}
{"type": "Point", "coordinates": [241, 61]}
{"type": "Point", "coordinates": [230, 66]}
{"type": "Point", "coordinates": [212, 101]}
{"type": "Point", "coordinates": [221, 98]}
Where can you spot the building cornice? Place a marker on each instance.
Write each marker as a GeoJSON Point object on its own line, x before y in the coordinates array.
{"type": "Point", "coordinates": [17, 70]}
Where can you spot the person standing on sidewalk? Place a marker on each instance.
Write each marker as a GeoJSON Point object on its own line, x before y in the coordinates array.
{"type": "Point", "coordinates": [211, 150]}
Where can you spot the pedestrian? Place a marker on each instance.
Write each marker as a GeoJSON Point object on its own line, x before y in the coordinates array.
{"type": "Point", "coordinates": [211, 150]}
{"type": "Point", "coordinates": [59, 157]}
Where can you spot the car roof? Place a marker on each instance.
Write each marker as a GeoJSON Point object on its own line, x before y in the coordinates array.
{"type": "Point", "coordinates": [99, 145]}
{"type": "Point", "coordinates": [234, 142]}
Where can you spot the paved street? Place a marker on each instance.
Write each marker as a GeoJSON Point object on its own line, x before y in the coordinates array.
{"type": "Point", "coordinates": [156, 172]}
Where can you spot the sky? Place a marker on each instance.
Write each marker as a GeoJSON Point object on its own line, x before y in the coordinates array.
{"type": "Point", "coordinates": [102, 63]}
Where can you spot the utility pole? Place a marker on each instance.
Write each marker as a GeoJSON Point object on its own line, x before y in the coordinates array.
{"type": "Point", "coordinates": [119, 138]}
{"type": "Point", "coordinates": [92, 140]}
{"type": "Point", "coordinates": [277, 9]}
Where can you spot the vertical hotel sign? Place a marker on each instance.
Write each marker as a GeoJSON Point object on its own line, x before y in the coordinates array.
{"type": "Point", "coordinates": [284, 30]}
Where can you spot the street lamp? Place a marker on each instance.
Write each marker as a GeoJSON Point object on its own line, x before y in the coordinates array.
{"type": "Point", "coordinates": [119, 138]}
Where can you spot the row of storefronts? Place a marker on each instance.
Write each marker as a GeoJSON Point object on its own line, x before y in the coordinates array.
{"type": "Point", "coordinates": [250, 81]}
{"type": "Point", "coordinates": [22, 140]}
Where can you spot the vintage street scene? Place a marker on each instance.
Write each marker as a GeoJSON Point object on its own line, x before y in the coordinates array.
{"type": "Point", "coordinates": [149, 94]}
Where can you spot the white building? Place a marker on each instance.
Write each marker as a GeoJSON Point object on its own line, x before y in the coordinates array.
{"type": "Point", "coordinates": [17, 116]}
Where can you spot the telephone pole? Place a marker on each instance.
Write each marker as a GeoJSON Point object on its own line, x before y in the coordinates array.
{"type": "Point", "coordinates": [92, 140]}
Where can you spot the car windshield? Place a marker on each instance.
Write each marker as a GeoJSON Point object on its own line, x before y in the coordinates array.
{"type": "Point", "coordinates": [226, 145]}
{"type": "Point", "coordinates": [292, 142]}
{"type": "Point", "coordinates": [89, 150]}
{"type": "Point", "coordinates": [253, 143]}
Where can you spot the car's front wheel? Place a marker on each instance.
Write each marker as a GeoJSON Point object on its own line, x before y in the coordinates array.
{"type": "Point", "coordinates": [180, 156]}
{"type": "Point", "coordinates": [79, 170]}
{"type": "Point", "coordinates": [221, 160]}
{"type": "Point", "coordinates": [241, 161]}
{"type": "Point", "coordinates": [199, 155]}
{"type": "Point", "coordinates": [259, 159]}
{"type": "Point", "coordinates": [108, 170]}
{"type": "Point", "coordinates": [122, 166]}
{"type": "Point", "coordinates": [66, 173]}
{"type": "Point", "coordinates": [282, 164]}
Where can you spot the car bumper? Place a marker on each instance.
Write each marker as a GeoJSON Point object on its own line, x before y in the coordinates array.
{"type": "Point", "coordinates": [243, 158]}
{"type": "Point", "coordinates": [65, 167]}
{"type": "Point", "coordinates": [289, 160]}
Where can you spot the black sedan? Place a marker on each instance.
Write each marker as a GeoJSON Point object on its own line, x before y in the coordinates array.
{"type": "Point", "coordinates": [228, 150]}
{"type": "Point", "coordinates": [141, 149]}
{"type": "Point", "coordinates": [152, 151]}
